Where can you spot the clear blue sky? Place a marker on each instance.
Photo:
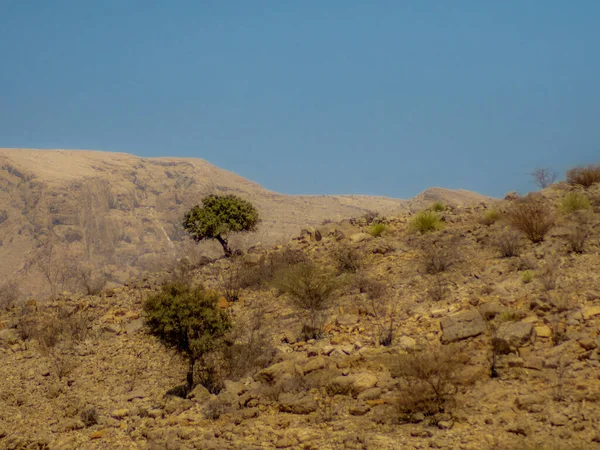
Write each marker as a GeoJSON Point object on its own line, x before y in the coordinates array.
{"type": "Point", "coordinates": [312, 97]}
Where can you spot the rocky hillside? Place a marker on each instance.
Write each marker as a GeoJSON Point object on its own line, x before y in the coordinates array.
{"type": "Point", "coordinates": [466, 336]}
{"type": "Point", "coordinates": [68, 217]}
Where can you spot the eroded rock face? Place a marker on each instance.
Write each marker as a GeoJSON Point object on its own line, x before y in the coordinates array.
{"type": "Point", "coordinates": [462, 326]}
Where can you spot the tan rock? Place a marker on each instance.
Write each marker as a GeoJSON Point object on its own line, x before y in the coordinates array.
{"type": "Point", "coordinates": [543, 331]}
{"type": "Point", "coordinates": [590, 311]}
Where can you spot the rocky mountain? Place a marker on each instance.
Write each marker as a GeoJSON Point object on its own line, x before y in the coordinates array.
{"type": "Point", "coordinates": [87, 213]}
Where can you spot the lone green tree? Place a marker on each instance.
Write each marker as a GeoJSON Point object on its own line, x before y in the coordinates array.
{"type": "Point", "coordinates": [219, 216]}
{"type": "Point", "coordinates": [187, 319]}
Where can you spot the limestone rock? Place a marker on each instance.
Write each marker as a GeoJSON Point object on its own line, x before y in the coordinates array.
{"type": "Point", "coordinates": [462, 326]}
{"type": "Point", "coordinates": [517, 334]}
{"type": "Point", "coordinates": [292, 404]}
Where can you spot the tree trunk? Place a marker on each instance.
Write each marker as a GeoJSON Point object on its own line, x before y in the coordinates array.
{"type": "Point", "coordinates": [223, 242]}
{"type": "Point", "coordinates": [190, 375]}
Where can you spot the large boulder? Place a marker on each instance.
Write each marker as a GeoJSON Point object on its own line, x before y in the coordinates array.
{"type": "Point", "coordinates": [462, 326]}
{"type": "Point", "coordinates": [517, 334]}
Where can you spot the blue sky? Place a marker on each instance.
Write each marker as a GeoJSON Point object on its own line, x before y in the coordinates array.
{"type": "Point", "coordinates": [312, 97]}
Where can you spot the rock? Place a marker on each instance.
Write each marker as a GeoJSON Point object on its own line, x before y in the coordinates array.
{"type": "Point", "coordinates": [462, 326]}
{"type": "Point", "coordinates": [347, 349]}
{"type": "Point", "coordinates": [360, 237]}
{"type": "Point", "coordinates": [370, 394]}
{"type": "Point", "coordinates": [290, 403]}
{"type": "Point", "coordinates": [347, 320]}
{"type": "Point", "coordinates": [543, 331]}
{"type": "Point", "coordinates": [360, 409]}
{"type": "Point", "coordinates": [532, 403]}
{"type": "Point", "coordinates": [491, 310]}
{"type": "Point", "coordinates": [119, 413]}
{"type": "Point", "coordinates": [316, 363]}
{"type": "Point", "coordinates": [558, 420]}
{"type": "Point", "coordinates": [134, 326]}
{"type": "Point", "coordinates": [353, 384]}
{"type": "Point", "coordinates": [445, 424]}
{"type": "Point", "coordinates": [9, 337]}
{"type": "Point", "coordinates": [276, 372]}
{"type": "Point", "coordinates": [112, 328]}
{"type": "Point", "coordinates": [511, 196]}
{"type": "Point", "coordinates": [590, 311]}
{"type": "Point", "coordinates": [406, 343]}
{"type": "Point", "coordinates": [199, 394]}
{"type": "Point", "coordinates": [234, 387]}
{"type": "Point", "coordinates": [517, 334]}
{"type": "Point", "coordinates": [519, 427]}
{"type": "Point", "coordinates": [588, 343]}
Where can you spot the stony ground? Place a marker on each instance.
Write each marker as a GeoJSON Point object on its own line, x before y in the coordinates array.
{"type": "Point", "coordinates": [537, 314]}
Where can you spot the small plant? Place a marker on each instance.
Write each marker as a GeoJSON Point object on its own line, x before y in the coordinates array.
{"type": "Point", "coordinates": [490, 217]}
{"type": "Point", "coordinates": [509, 244]}
{"type": "Point", "coordinates": [425, 221]}
{"type": "Point", "coordinates": [310, 289]}
{"type": "Point", "coordinates": [584, 175]}
{"type": "Point", "coordinates": [548, 275]}
{"type": "Point", "coordinates": [347, 258]}
{"type": "Point", "coordinates": [438, 206]}
{"type": "Point", "coordinates": [377, 229]}
{"type": "Point", "coordinates": [186, 319]}
{"type": "Point", "coordinates": [438, 288]}
{"type": "Point", "coordinates": [371, 217]}
{"type": "Point", "coordinates": [89, 416]}
{"type": "Point", "coordinates": [439, 257]}
{"type": "Point", "coordinates": [577, 235]}
{"type": "Point", "coordinates": [574, 201]}
{"type": "Point", "coordinates": [543, 177]}
{"type": "Point", "coordinates": [532, 216]}
{"type": "Point", "coordinates": [527, 277]}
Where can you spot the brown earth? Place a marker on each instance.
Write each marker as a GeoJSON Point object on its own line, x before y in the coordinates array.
{"type": "Point", "coordinates": [118, 215]}
{"type": "Point", "coordinates": [537, 314]}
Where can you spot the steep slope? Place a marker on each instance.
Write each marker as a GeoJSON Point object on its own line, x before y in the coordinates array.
{"type": "Point", "coordinates": [121, 213]}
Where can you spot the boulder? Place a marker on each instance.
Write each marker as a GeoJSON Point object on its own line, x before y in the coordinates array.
{"type": "Point", "coordinates": [353, 384]}
{"type": "Point", "coordinates": [274, 373]}
{"type": "Point", "coordinates": [517, 334]}
{"type": "Point", "coordinates": [462, 326]}
{"type": "Point", "coordinates": [291, 403]}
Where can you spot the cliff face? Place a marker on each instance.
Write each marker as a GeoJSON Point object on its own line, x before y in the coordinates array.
{"type": "Point", "coordinates": [64, 210]}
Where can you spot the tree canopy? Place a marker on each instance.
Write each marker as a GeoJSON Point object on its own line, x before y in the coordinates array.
{"type": "Point", "coordinates": [219, 216]}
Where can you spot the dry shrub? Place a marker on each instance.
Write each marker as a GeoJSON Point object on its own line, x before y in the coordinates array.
{"type": "Point", "coordinates": [548, 274]}
{"type": "Point", "coordinates": [438, 288]}
{"type": "Point", "coordinates": [9, 295]}
{"type": "Point", "coordinates": [532, 216]}
{"type": "Point", "coordinates": [584, 175]}
{"type": "Point", "coordinates": [215, 408]}
{"type": "Point", "coordinates": [509, 244]}
{"type": "Point", "coordinates": [526, 263]}
{"type": "Point", "coordinates": [310, 288]}
{"type": "Point", "coordinates": [263, 272]}
{"type": "Point", "coordinates": [89, 416]}
{"type": "Point", "coordinates": [439, 256]}
{"type": "Point", "coordinates": [385, 310]}
{"type": "Point", "coordinates": [229, 279]}
{"type": "Point", "coordinates": [371, 217]}
{"type": "Point", "coordinates": [91, 281]}
{"type": "Point", "coordinates": [347, 258]}
{"type": "Point", "coordinates": [374, 289]}
{"type": "Point", "coordinates": [544, 177]}
{"type": "Point", "coordinates": [578, 233]}
{"type": "Point", "coordinates": [429, 380]}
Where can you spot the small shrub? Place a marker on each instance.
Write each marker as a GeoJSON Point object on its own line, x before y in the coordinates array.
{"type": "Point", "coordinates": [490, 217]}
{"type": "Point", "coordinates": [527, 277]}
{"type": "Point", "coordinates": [215, 408]}
{"type": "Point", "coordinates": [532, 216]}
{"type": "Point", "coordinates": [526, 263]}
{"type": "Point", "coordinates": [347, 258]}
{"type": "Point", "coordinates": [425, 221]}
{"type": "Point", "coordinates": [377, 229]}
{"type": "Point", "coordinates": [310, 289]}
{"type": "Point", "coordinates": [577, 235]}
{"type": "Point", "coordinates": [509, 244]}
{"type": "Point", "coordinates": [370, 217]}
{"type": "Point", "coordinates": [89, 416]}
{"type": "Point", "coordinates": [373, 288]}
{"type": "Point", "coordinates": [229, 279]}
{"type": "Point", "coordinates": [574, 201]}
{"type": "Point", "coordinates": [438, 206]}
{"type": "Point", "coordinates": [548, 275]}
{"type": "Point", "coordinates": [584, 175]}
{"type": "Point", "coordinates": [438, 288]}
{"type": "Point", "coordinates": [269, 266]}
{"type": "Point", "coordinates": [429, 381]}
{"type": "Point", "coordinates": [438, 257]}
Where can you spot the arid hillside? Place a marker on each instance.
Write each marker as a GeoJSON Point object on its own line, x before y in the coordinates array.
{"type": "Point", "coordinates": [76, 217]}
{"type": "Point", "coordinates": [473, 328]}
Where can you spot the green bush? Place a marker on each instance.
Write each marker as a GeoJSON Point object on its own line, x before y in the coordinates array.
{"type": "Point", "coordinates": [574, 201]}
{"type": "Point", "coordinates": [527, 277]}
{"type": "Point", "coordinates": [425, 221]}
{"type": "Point", "coordinates": [490, 217]}
{"type": "Point", "coordinates": [186, 319]}
{"type": "Point", "coordinates": [377, 229]}
{"type": "Point", "coordinates": [438, 206]}
{"type": "Point", "coordinates": [219, 216]}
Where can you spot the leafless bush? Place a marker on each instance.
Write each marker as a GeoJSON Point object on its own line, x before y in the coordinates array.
{"type": "Point", "coordinates": [370, 217]}
{"type": "Point", "coordinates": [58, 268]}
{"type": "Point", "coordinates": [310, 289]}
{"type": "Point", "coordinates": [9, 295]}
{"type": "Point", "coordinates": [543, 177]}
{"type": "Point", "coordinates": [373, 288]}
{"type": "Point", "coordinates": [509, 243]}
{"type": "Point", "coordinates": [347, 258]}
{"type": "Point", "coordinates": [438, 288]}
{"type": "Point", "coordinates": [584, 175]}
{"type": "Point", "coordinates": [229, 279]}
{"type": "Point", "coordinates": [91, 281]}
{"type": "Point", "coordinates": [429, 380]}
{"type": "Point", "coordinates": [216, 408]}
{"type": "Point", "coordinates": [578, 233]}
{"type": "Point", "coordinates": [438, 257]}
{"type": "Point", "coordinates": [268, 267]}
{"type": "Point", "coordinates": [385, 310]}
{"type": "Point", "coordinates": [526, 263]}
{"type": "Point", "coordinates": [532, 216]}
{"type": "Point", "coordinates": [548, 274]}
